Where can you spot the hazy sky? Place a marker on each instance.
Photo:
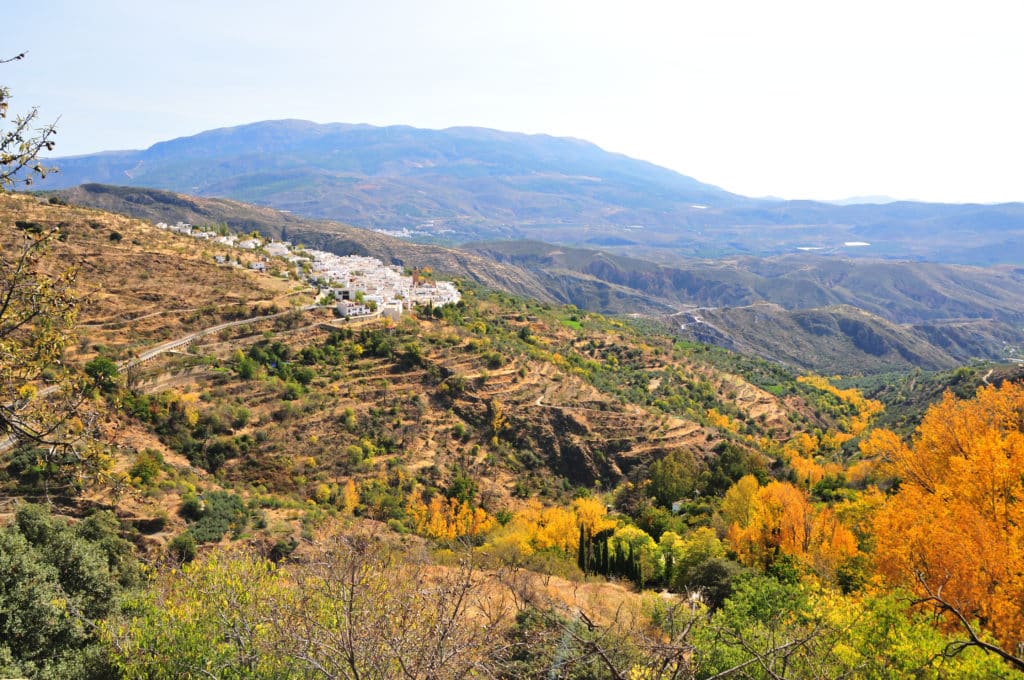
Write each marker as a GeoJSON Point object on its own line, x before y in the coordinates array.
{"type": "Point", "coordinates": [814, 99]}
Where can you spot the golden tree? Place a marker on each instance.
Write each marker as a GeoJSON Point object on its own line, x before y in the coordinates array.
{"type": "Point", "coordinates": [955, 530]}
{"type": "Point", "coordinates": [44, 405]}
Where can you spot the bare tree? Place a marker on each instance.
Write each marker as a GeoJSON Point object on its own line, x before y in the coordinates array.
{"type": "Point", "coordinates": [942, 605]}
{"type": "Point", "coordinates": [21, 141]}
{"type": "Point", "coordinates": [364, 609]}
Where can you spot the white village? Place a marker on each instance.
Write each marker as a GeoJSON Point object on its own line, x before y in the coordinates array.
{"type": "Point", "coordinates": [357, 285]}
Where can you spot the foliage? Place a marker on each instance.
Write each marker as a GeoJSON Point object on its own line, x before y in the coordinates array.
{"type": "Point", "coordinates": [769, 629]}
{"type": "Point", "coordinates": [57, 582]}
{"type": "Point", "coordinates": [147, 466]}
{"type": "Point", "coordinates": [202, 437]}
{"type": "Point", "coordinates": [358, 608]}
{"type": "Point", "coordinates": [183, 547]}
{"type": "Point", "coordinates": [103, 372]}
{"type": "Point", "coordinates": [780, 521]}
{"type": "Point", "coordinates": [215, 514]}
{"type": "Point", "coordinates": [38, 309]}
{"type": "Point", "coordinates": [952, 532]}
{"type": "Point", "coordinates": [446, 519]}
{"type": "Point", "coordinates": [844, 402]}
{"type": "Point", "coordinates": [674, 477]}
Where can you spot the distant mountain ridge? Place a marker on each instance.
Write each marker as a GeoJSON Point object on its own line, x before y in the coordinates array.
{"type": "Point", "coordinates": [469, 184]}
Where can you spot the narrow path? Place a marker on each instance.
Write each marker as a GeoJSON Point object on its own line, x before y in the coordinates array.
{"type": "Point", "coordinates": [10, 440]}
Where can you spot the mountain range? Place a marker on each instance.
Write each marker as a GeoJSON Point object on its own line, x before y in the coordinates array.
{"type": "Point", "coordinates": [469, 184]}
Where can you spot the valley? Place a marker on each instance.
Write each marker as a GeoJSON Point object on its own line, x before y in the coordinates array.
{"type": "Point", "coordinates": [822, 313]}
{"type": "Point", "coordinates": [513, 451]}
{"type": "Point", "coordinates": [515, 432]}
{"type": "Point", "coordinates": [426, 398]}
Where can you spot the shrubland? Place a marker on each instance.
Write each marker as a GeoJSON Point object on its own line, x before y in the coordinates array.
{"type": "Point", "coordinates": [497, 488]}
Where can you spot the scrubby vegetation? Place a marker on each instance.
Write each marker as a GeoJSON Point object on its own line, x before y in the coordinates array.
{"type": "Point", "coordinates": [505, 488]}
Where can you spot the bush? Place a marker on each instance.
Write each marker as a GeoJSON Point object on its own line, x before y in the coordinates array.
{"type": "Point", "coordinates": [183, 547]}
{"type": "Point", "coordinates": [220, 512]}
{"type": "Point", "coordinates": [57, 582]}
{"type": "Point", "coordinates": [147, 466]}
{"type": "Point", "coordinates": [283, 548]}
{"type": "Point", "coordinates": [103, 372]}
{"type": "Point", "coordinates": [192, 507]}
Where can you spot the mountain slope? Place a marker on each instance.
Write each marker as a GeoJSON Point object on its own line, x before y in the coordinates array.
{"type": "Point", "coordinates": [517, 391]}
{"type": "Point", "coordinates": [400, 176]}
{"type": "Point", "coordinates": [464, 184]}
{"type": "Point", "coordinates": [902, 292]}
{"type": "Point", "coordinates": [824, 313]}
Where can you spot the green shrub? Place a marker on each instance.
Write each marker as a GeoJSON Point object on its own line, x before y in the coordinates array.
{"type": "Point", "coordinates": [183, 547]}
{"type": "Point", "coordinates": [219, 513]}
{"type": "Point", "coordinates": [148, 463]}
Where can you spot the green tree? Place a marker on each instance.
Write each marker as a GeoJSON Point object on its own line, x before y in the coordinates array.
{"type": "Point", "coordinates": [674, 477]}
{"type": "Point", "coordinates": [768, 629]}
{"type": "Point", "coordinates": [103, 372]}
{"type": "Point", "coordinates": [57, 583]}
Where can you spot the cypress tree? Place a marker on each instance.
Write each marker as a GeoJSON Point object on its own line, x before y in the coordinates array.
{"type": "Point", "coordinates": [581, 554]}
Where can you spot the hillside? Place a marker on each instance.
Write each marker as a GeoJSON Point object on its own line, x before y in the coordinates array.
{"type": "Point", "coordinates": [155, 205]}
{"type": "Point", "coordinates": [467, 184]}
{"type": "Point", "coordinates": [816, 312]}
{"type": "Point", "coordinates": [910, 314]}
{"type": "Point", "coordinates": [503, 478]}
{"type": "Point", "coordinates": [523, 395]}
{"type": "Point", "coordinates": [908, 396]}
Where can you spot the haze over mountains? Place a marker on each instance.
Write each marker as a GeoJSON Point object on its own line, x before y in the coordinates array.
{"type": "Point", "coordinates": [469, 184]}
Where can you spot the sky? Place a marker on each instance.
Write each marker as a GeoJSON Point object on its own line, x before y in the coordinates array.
{"type": "Point", "coordinates": [816, 99]}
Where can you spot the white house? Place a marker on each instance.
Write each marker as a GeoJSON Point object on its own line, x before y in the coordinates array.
{"type": "Point", "coordinates": [392, 309]}
{"type": "Point", "coordinates": [277, 249]}
{"type": "Point", "coordinates": [348, 308]}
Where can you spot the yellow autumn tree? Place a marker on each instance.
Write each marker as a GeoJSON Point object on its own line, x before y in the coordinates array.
{"type": "Point", "coordinates": [782, 521]}
{"type": "Point", "coordinates": [592, 515]}
{"type": "Point", "coordinates": [955, 530]}
{"type": "Point", "coordinates": [446, 519]}
{"type": "Point", "coordinates": [830, 544]}
{"type": "Point", "coordinates": [349, 497]}
{"type": "Point", "coordinates": [738, 502]}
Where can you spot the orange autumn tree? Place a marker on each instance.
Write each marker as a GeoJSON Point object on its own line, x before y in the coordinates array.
{"type": "Point", "coordinates": [782, 521]}
{"type": "Point", "coordinates": [955, 530]}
